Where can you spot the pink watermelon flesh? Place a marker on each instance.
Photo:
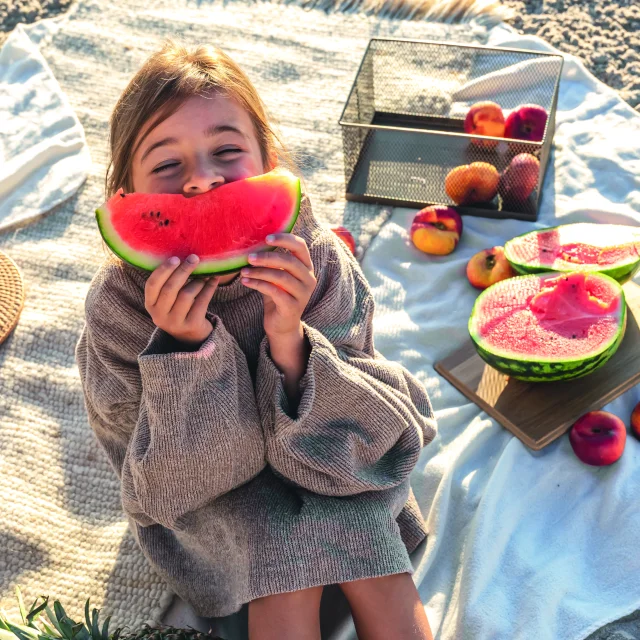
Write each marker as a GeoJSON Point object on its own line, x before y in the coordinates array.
{"type": "Point", "coordinates": [550, 317]}
{"type": "Point", "coordinates": [600, 246]}
{"type": "Point", "coordinates": [221, 226]}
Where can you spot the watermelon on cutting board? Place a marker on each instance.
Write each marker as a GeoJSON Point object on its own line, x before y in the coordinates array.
{"type": "Point", "coordinates": [540, 328]}
{"type": "Point", "coordinates": [222, 226]}
{"type": "Point", "coordinates": [612, 249]}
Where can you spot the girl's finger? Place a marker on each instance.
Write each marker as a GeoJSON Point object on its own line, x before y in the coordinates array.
{"type": "Point", "coordinates": [286, 261]}
{"type": "Point", "coordinates": [293, 243]}
{"type": "Point", "coordinates": [185, 298]}
{"type": "Point", "coordinates": [174, 283]}
{"type": "Point", "coordinates": [282, 279]}
{"type": "Point", "coordinates": [156, 280]}
{"type": "Point", "coordinates": [281, 298]}
{"type": "Point", "coordinates": [201, 303]}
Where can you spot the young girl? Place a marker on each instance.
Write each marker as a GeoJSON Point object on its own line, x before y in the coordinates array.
{"type": "Point", "coordinates": [263, 446]}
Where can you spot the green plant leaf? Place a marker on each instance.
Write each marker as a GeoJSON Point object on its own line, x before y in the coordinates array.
{"type": "Point", "coordinates": [95, 629]}
{"type": "Point", "coordinates": [86, 614]}
{"type": "Point", "coordinates": [23, 611]}
{"type": "Point", "coordinates": [49, 630]}
{"type": "Point", "coordinates": [105, 629]}
{"type": "Point", "coordinates": [29, 631]}
{"type": "Point", "coordinates": [34, 613]}
{"type": "Point", "coordinates": [6, 635]}
{"type": "Point", "coordinates": [51, 617]}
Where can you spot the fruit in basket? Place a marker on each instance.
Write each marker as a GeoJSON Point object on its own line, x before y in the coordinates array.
{"type": "Point", "coordinates": [488, 267]}
{"type": "Point", "coordinates": [635, 420]}
{"type": "Point", "coordinates": [222, 226]}
{"type": "Point", "coordinates": [612, 249]}
{"type": "Point", "coordinates": [519, 179]}
{"type": "Point", "coordinates": [598, 438]}
{"type": "Point", "coordinates": [346, 237]}
{"type": "Point", "coordinates": [436, 230]}
{"type": "Point", "coordinates": [471, 183]}
{"type": "Point", "coordinates": [550, 326]}
{"type": "Point", "coordinates": [485, 119]}
{"type": "Point", "coordinates": [527, 122]}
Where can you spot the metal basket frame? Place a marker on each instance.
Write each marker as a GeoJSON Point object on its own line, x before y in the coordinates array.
{"type": "Point", "coordinates": [443, 134]}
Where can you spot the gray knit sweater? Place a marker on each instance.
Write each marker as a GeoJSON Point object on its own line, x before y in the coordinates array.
{"type": "Point", "coordinates": [229, 494]}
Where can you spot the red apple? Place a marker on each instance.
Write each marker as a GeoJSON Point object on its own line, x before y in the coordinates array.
{"type": "Point", "coordinates": [635, 420]}
{"type": "Point", "coordinates": [488, 267]}
{"type": "Point", "coordinates": [486, 119]}
{"type": "Point", "coordinates": [346, 237]}
{"type": "Point", "coordinates": [527, 122]}
{"type": "Point", "coordinates": [598, 438]}
{"type": "Point", "coordinates": [436, 230]}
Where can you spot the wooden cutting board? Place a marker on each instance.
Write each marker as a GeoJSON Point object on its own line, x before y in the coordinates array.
{"type": "Point", "coordinates": [538, 413]}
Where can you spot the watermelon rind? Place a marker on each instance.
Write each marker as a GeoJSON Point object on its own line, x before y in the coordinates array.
{"type": "Point", "coordinates": [537, 369]}
{"type": "Point", "coordinates": [222, 266]}
{"type": "Point", "coordinates": [622, 271]}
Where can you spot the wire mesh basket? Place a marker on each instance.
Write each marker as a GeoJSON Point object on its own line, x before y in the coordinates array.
{"type": "Point", "coordinates": [403, 127]}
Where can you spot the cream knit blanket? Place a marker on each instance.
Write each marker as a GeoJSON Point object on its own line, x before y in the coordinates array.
{"type": "Point", "coordinates": [62, 531]}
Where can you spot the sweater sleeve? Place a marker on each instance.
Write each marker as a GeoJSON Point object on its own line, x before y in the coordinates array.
{"type": "Point", "coordinates": [361, 420]}
{"type": "Point", "coordinates": [179, 428]}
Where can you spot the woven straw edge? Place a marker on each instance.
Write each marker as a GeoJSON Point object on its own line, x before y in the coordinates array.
{"type": "Point", "coordinates": [12, 326]}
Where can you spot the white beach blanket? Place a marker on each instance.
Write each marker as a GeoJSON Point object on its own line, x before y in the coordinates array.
{"type": "Point", "coordinates": [523, 544]}
{"type": "Point", "coordinates": [44, 156]}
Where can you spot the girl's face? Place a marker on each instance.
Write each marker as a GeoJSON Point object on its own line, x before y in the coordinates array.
{"type": "Point", "coordinates": [204, 144]}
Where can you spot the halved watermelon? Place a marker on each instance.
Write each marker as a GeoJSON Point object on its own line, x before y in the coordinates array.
{"type": "Point", "coordinates": [612, 249]}
{"type": "Point", "coordinates": [549, 327]}
{"type": "Point", "coordinates": [222, 226]}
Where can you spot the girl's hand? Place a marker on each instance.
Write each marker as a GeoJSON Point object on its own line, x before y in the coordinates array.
{"type": "Point", "coordinates": [179, 308]}
{"type": "Point", "coordinates": [286, 281]}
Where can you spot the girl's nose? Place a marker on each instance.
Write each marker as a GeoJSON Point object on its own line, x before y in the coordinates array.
{"type": "Point", "coordinates": [202, 180]}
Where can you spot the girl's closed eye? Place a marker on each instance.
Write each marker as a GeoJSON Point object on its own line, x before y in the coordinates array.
{"type": "Point", "coordinates": [225, 152]}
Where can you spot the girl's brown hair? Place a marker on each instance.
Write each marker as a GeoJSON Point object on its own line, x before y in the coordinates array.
{"type": "Point", "coordinates": [166, 79]}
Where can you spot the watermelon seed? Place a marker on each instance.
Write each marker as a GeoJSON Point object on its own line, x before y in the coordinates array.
{"type": "Point", "coordinates": [166, 222]}
{"type": "Point", "coordinates": [574, 335]}
{"type": "Point", "coordinates": [122, 195]}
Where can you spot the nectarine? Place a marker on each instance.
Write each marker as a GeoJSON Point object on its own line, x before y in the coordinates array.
{"type": "Point", "coordinates": [436, 230]}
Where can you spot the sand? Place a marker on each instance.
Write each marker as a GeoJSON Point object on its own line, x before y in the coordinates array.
{"type": "Point", "coordinates": [604, 33]}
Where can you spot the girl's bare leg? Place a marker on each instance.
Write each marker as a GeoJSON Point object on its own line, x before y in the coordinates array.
{"type": "Point", "coordinates": [387, 607]}
{"type": "Point", "coordinates": [286, 616]}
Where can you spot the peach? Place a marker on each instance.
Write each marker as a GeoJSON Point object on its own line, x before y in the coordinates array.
{"type": "Point", "coordinates": [346, 237]}
{"type": "Point", "coordinates": [519, 179]}
{"type": "Point", "coordinates": [598, 438]}
{"type": "Point", "coordinates": [469, 183]}
{"type": "Point", "coordinates": [487, 267]}
{"type": "Point", "coordinates": [486, 119]}
{"type": "Point", "coordinates": [436, 230]}
{"type": "Point", "coordinates": [527, 122]}
{"type": "Point", "coordinates": [635, 420]}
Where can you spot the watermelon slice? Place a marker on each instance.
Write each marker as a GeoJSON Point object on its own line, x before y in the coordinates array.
{"type": "Point", "coordinates": [222, 226]}
{"type": "Point", "coordinates": [612, 249]}
{"type": "Point", "coordinates": [549, 327]}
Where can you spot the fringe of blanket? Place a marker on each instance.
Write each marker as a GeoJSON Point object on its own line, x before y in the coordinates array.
{"type": "Point", "coordinates": [486, 12]}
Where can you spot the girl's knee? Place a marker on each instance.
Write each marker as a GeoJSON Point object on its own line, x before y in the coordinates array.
{"type": "Point", "coordinates": [286, 616]}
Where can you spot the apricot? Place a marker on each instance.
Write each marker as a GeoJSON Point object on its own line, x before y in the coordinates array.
{"type": "Point", "coordinates": [470, 183]}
